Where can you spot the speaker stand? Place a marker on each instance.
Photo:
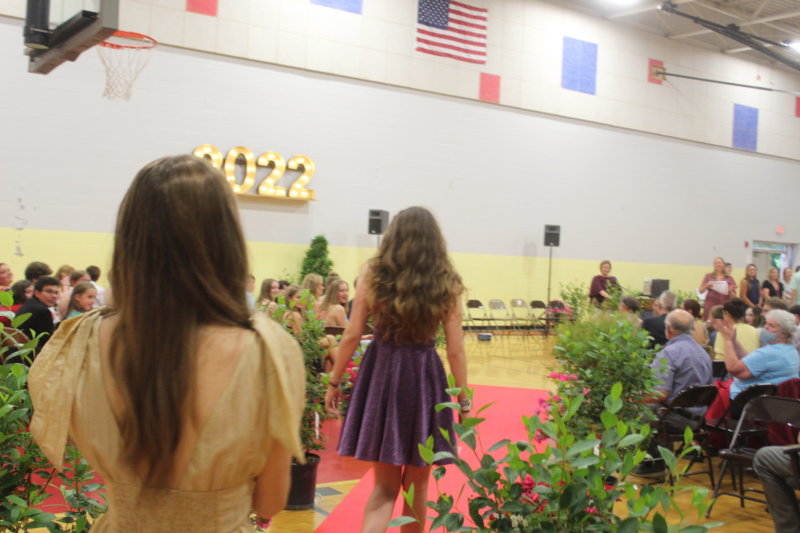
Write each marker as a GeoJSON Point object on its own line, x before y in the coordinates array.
{"type": "Point", "coordinates": [549, 274]}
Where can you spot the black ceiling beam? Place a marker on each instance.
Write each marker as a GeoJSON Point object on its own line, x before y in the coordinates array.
{"type": "Point", "coordinates": [732, 31]}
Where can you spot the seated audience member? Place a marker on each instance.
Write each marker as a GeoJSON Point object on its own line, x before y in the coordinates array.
{"type": "Point", "coordinates": [63, 301]}
{"type": "Point", "coordinates": [81, 300]}
{"type": "Point", "coordinates": [681, 364]}
{"type": "Point", "coordinates": [45, 295]}
{"type": "Point", "coordinates": [654, 325]}
{"type": "Point", "coordinates": [62, 274]}
{"type": "Point", "coordinates": [350, 302]}
{"type": "Point", "coordinates": [297, 315]}
{"type": "Point", "coordinates": [331, 309]}
{"type": "Point", "coordinates": [772, 286]}
{"type": "Point", "coordinates": [779, 478]}
{"type": "Point", "coordinates": [267, 296]}
{"type": "Point", "coordinates": [6, 277]}
{"type": "Point", "coordinates": [733, 312]}
{"type": "Point", "coordinates": [36, 270]}
{"type": "Point", "coordinates": [771, 304]}
{"type": "Point", "coordinates": [753, 317]}
{"type": "Point", "coordinates": [282, 286]}
{"type": "Point", "coordinates": [629, 307]}
{"type": "Point", "coordinates": [788, 273]}
{"type": "Point", "coordinates": [794, 290]}
{"type": "Point", "coordinates": [94, 275]}
{"type": "Point", "coordinates": [297, 309]}
{"type": "Point", "coordinates": [750, 287]}
{"type": "Point", "coordinates": [795, 310]}
{"type": "Point", "coordinates": [775, 362]}
{"type": "Point", "coordinates": [250, 287]}
{"type": "Point", "coordinates": [331, 277]}
{"type": "Point", "coordinates": [313, 283]}
{"type": "Point", "coordinates": [21, 292]}
{"type": "Point", "coordinates": [699, 332]}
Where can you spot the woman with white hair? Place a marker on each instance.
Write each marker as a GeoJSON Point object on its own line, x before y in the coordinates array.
{"type": "Point", "coordinates": [775, 362]}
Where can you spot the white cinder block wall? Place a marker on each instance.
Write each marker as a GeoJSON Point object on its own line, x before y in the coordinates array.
{"type": "Point", "coordinates": [493, 174]}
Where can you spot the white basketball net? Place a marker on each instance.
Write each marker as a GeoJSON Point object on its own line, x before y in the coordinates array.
{"type": "Point", "coordinates": [124, 55]}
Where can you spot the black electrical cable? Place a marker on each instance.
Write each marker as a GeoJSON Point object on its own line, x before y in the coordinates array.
{"type": "Point", "coordinates": [666, 73]}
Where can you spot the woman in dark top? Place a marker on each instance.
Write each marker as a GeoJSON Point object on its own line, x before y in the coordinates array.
{"type": "Point", "coordinates": [602, 283]}
{"type": "Point", "coordinates": [772, 286]}
{"type": "Point", "coordinates": [750, 288]}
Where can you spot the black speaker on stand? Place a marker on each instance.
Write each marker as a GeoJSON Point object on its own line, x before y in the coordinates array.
{"type": "Point", "coordinates": [552, 238]}
{"type": "Point", "coordinates": [378, 222]}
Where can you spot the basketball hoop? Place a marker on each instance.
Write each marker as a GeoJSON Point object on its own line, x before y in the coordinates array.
{"type": "Point", "coordinates": [124, 55]}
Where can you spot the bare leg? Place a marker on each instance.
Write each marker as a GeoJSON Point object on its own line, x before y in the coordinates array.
{"type": "Point", "coordinates": [330, 344]}
{"type": "Point", "coordinates": [378, 510]}
{"type": "Point", "coordinates": [417, 476]}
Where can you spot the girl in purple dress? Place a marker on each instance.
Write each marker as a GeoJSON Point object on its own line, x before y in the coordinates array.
{"type": "Point", "coordinates": [408, 289]}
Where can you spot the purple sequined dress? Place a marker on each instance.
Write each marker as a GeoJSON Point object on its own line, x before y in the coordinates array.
{"type": "Point", "coordinates": [392, 408]}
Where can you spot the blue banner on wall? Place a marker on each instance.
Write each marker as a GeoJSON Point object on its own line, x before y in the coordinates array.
{"type": "Point", "coordinates": [579, 66]}
{"type": "Point", "coordinates": [353, 6]}
{"type": "Point", "coordinates": [745, 127]}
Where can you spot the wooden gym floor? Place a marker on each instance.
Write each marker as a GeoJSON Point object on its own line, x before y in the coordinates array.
{"type": "Point", "coordinates": [515, 360]}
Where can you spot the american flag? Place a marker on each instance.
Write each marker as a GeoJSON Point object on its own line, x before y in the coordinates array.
{"type": "Point", "coordinates": [452, 29]}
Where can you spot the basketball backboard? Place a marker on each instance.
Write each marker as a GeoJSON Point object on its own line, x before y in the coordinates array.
{"type": "Point", "coordinates": [60, 30]}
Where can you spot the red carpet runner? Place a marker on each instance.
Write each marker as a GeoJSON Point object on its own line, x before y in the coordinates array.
{"type": "Point", "coordinates": [503, 421]}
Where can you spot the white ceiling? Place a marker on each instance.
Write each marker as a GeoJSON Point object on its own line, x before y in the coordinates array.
{"type": "Point", "coordinates": [775, 20]}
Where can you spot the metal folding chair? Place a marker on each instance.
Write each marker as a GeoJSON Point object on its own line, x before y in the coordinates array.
{"type": "Point", "coordinates": [538, 310]}
{"type": "Point", "coordinates": [718, 370]}
{"type": "Point", "coordinates": [498, 313]}
{"type": "Point", "coordinates": [760, 410]}
{"type": "Point", "coordinates": [696, 396]}
{"type": "Point", "coordinates": [521, 314]}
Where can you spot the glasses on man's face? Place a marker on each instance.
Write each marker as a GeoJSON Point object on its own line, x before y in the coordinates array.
{"type": "Point", "coordinates": [51, 291]}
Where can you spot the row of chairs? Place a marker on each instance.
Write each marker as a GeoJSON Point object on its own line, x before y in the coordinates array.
{"type": "Point", "coordinates": [740, 428]}
{"type": "Point", "coordinates": [518, 316]}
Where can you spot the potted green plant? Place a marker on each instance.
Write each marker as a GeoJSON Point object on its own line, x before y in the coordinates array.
{"type": "Point", "coordinates": [555, 481]}
{"type": "Point", "coordinates": [25, 473]}
{"type": "Point", "coordinates": [310, 338]}
{"type": "Point", "coordinates": [596, 351]}
{"type": "Point", "coordinates": [316, 260]}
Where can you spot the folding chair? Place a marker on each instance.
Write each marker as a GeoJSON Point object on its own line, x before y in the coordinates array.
{"type": "Point", "coordinates": [498, 313]}
{"type": "Point", "coordinates": [521, 314]}
{"type": "Point", "coordinates": [718, 370]}
{"type": "Point", "coordinates": [552, 315]}
{"type": "Point", "coordinates": [476, 314]}
{"type": "Point", "coordinates": [727, 423]}
{"type": "Point", "coordinates": [760, 410]}
{"type": "Point", "coordinates": [538, 310]}
{"type": "Point", "coordinates": [696, 396]}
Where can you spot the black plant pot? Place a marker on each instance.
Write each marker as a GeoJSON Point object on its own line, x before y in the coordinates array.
{"type": "Point", "coordinates": [304, 484]}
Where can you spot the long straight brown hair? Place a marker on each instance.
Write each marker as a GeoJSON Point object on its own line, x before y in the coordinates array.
{"type": "Point", "coordinates": [414, 284]}
{"type": "Point", "coordinates": [179, 263]}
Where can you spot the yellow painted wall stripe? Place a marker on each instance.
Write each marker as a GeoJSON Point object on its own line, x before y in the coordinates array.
{"type": "Point", "coordinates": [486, 276]}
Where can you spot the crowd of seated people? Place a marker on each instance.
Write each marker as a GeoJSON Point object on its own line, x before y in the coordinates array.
{"type": "Point", "coordinates": [52, 298]}
{"type": "Point", "coordinates": [48, 299]}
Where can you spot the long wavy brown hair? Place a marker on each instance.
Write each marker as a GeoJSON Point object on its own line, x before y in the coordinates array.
{"type": "Point", "coordinates": [179, 263]}
{"type": "Point", "coordinates": [414, 284]}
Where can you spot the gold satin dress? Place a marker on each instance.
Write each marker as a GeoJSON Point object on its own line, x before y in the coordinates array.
{"type": "Point", "coordinates": [261, 405]}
